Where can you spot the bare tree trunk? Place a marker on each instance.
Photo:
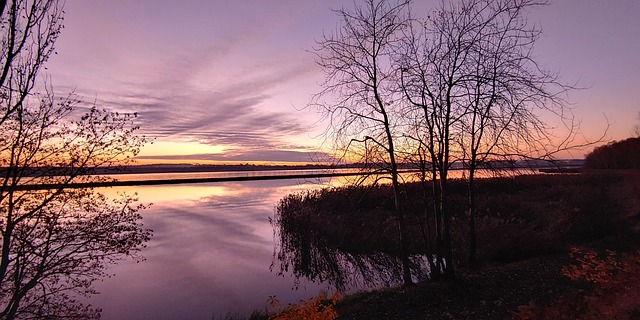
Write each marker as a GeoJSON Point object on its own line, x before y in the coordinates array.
{"type": "Point", "coordinates": [425, 221]}
{"type": "Point", "coordinates": [472, 255]}
{"type": "Point", "coordinates": [404, 256]}
{"type": "Point", "coordinates": [447, 240]}
{"type": "Point", "coordinates": [439, 223]}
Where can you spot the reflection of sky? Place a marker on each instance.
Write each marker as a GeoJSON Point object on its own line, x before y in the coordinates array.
{"type": "Point", "coordinates": [209, 254]}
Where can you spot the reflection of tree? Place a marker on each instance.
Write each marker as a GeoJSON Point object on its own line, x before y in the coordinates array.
{"type": "Point", "coordinates": [56, 242]}
{"type": "Point", "coordinates": [305, 252]}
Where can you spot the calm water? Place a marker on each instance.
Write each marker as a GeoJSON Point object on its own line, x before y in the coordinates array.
{"type": "Point", "coordinates": [225, 174]}
{"type": "Point", "coordinates": [210, 252]}
{"type": "Point", "coordinates": [209, 255]}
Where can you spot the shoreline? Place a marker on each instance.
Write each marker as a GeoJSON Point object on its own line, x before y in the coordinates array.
{"type": "Point", "coordinates": [209, 169]}
{"type": "Point", "coordinates": [182, 181]}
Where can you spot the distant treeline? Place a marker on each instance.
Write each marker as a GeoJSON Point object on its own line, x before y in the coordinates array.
{"type": "Point", "coordinates": [169, 168]}
{"type": "Point", "coordinates": [178, 168]}
{"type": "Point", "coordinates": [164, 168]}
{"type": "Point", "coordinates": [623, 154]}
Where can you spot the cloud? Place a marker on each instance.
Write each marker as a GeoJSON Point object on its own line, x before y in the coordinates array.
{"type": "Point", "coordinates": [239, 111]}
{"type": "Point", "coordinates": [249, 155]}
{"type": "Point", "coordinates": [213, 78]}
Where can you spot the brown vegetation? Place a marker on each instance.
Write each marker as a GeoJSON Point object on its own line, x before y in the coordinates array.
{"type": "Point", "coordinates": [526, 227]}
{"type": "Point", "coordinates": [518, 217]}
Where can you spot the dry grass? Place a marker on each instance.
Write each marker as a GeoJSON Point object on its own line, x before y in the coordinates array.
{"type": "Point", "coordinates": [526, 226]}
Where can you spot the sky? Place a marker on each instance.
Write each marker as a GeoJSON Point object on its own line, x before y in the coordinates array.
{"type": "Point", "coordinates": [229, 80]}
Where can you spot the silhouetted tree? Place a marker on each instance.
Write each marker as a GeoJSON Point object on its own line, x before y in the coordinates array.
{"type": "Point", "coordinates": [358, 97]}
{"type": "Point", "coordinates": [469, 68]}
{"type": "Point", "coordinates": [459, 86]}
{"type": "Point", "coordinates": [28, 32]}
{"type": "Point", "coordinates": [55, 242]}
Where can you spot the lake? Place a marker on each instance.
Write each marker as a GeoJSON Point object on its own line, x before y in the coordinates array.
{"type": "Point", "coordinates": [210, 253]}
{"type": "Point", "coordinates": [211, 249]}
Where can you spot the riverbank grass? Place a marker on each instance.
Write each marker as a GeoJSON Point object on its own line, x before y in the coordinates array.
{"type": "Point", "coordinates": [527, 228]}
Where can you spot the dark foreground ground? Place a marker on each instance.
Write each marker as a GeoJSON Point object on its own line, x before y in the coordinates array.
{"type": "Point", "coordinates": [492, 292]}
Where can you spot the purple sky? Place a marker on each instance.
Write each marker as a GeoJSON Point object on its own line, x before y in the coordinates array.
{"type": "Point", "coordinates": [229, 78]}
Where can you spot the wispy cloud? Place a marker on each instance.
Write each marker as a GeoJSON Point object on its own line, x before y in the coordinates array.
{"type": "Point", "coordinates": [237, 112]}
{"type": "Point", "coordinates": [230, 88]}
{"type": "Point", "coordinates": [249, 155]}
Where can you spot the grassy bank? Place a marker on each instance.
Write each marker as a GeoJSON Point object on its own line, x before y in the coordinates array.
{"type": "Point", "coordinates": [526, 226]}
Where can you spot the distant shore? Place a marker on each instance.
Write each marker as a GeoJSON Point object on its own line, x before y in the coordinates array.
{"type": "Point", "coordinates": [185, 181]}
{"type": "Point", "coordinates": [327, 171]}
{"type": "Point", "coordinates": [178, 168]}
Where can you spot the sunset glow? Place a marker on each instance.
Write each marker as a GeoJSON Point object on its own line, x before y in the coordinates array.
{"type": "Point", "coordinates": [163, 148]}
{"type": "Point", "coordinates": [230, 81]}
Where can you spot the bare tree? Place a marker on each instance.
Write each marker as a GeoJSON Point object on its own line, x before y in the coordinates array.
{"type": "Point", "coordinates": [358, 97]}
{"type": "Point", "coordinates": [427, 65]}
{"type": "Point", "coordinates": [55, 242]}
{"type": "Point", "coordinates": [28, 31]}
{"type": "Point", "coordinates": [470, 68]}
{"type": "Point", "coordinates": [502, 89]}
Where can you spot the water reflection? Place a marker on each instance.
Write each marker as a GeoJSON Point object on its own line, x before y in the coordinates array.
{"type": "Point", "coordinates": [308, 259]}
{"type": "Point", "coordinates": [304, 251]}
{"type": "Point", "coordinates": [212, 247]}
{"type": "Point", "coordinates": [210, 254]}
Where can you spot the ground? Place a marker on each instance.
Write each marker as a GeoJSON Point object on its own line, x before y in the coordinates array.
{"type": "Point", "coordinates": [493, 292]}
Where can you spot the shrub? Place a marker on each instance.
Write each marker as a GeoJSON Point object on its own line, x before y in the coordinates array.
{"type": "Point", "coordinates": [610, 288]}
{"type": "Point", "coordinates": [320, 307]}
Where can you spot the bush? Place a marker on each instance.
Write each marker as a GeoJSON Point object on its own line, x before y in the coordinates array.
{"type": "Point", "coordinates": [612, 288]}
